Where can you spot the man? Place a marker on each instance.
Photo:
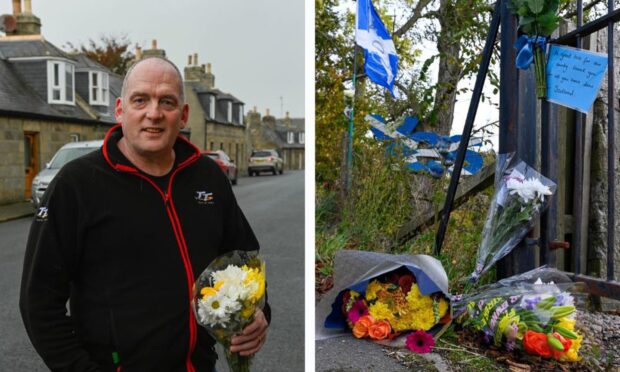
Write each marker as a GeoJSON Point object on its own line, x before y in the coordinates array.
{"type": "Point", "coordinates": [123, 234]}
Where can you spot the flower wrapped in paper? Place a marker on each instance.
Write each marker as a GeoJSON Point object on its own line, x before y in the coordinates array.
{"type": "Point", "coordinates": [226, 296]}
{"type": "Point", "coordinates": [521, 194]}
{"type": "Point", "coordinates": [383, 297]}
{"type": "Point", "coordinates": [534, 311]}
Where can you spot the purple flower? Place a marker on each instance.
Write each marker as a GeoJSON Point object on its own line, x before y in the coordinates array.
{"type": "Point", "coordinates": [358, 309]}
{"type": "Point", "coordinates": [510, 345]}
{"type": "Point", "coordinates": [530, 303]}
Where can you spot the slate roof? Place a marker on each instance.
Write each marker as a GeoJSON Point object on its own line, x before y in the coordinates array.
{"type": "Point", "coordinates": [280, 134]}
{"type": "Point", "coordinates": [18, 97]}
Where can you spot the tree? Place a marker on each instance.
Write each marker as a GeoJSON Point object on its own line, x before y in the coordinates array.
{"type": "Point", "coordinates": [111, 51]}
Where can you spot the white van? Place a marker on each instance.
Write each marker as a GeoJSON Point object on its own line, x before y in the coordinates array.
{"type": "Point", "coordinates": [68, 152]}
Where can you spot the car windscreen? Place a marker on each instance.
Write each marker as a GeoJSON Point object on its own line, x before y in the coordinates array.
{"type": "Point", "coordinates": [66, 155]}
{"type": "Point", "coordinates": [213, 156]}
{"type": "Point", "coordinates": [261, 154]}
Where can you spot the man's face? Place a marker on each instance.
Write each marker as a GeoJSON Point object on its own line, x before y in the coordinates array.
{"type": "Point", "coordinates": [151, 111]}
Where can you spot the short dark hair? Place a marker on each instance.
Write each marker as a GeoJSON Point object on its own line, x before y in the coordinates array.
{"type": "Point", "coordinates": [164, 59]}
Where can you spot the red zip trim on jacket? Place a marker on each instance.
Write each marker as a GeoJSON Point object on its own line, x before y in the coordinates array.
{"type": "Point", "coordinates": [176, 227]}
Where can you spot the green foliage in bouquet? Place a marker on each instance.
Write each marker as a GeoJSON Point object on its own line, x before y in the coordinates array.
{"type": "Point", "coordinates": [536, 17]}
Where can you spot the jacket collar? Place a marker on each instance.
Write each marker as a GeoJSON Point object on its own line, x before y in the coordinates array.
{"type": "Point", "coordinates": [184, 150]}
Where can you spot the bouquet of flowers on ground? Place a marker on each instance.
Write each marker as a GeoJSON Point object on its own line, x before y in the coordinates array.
{"type": "Point", "coordinates": [226, 296]}
{"type": "Point", "coordinates": [391, 305]}
{"type": "Point", "coordinates": [538, 317]}
{"type": "Point", "coordinates": [521, 194]}
{"type": "Point", "coordinates": [395, 300]}
{"type": "Point", "coordinates": [537, 20]}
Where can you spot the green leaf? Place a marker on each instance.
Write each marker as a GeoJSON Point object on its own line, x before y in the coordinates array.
{"type": "Point", "coordinates": [536, 6]}
{"type": "Point", "coordinates": [547, 23]}
{"type": "Point", "coordinates": [526, 20]}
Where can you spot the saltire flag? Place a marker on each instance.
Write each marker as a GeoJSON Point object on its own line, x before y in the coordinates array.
{"type": "Point", "coordinates": [380, 58]}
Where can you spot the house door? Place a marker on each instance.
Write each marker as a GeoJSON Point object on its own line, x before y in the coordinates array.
{"type": "Point", "coordinates": [31, 160]}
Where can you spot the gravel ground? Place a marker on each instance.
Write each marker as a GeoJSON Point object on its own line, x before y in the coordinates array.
{"type": "Point", "coordinates": [601, 343]}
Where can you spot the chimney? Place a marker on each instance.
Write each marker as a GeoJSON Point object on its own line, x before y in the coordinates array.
{"type": "Point", "coordinates": [27, 23]}
{"type": "Point", "coordinates": [287, 120]}
{"type": "Point", "coordinates": [269, 120]}
{"type": "Point", "coordinates": [154, 52]}
{"type": "Point", "coordinates": [17, 7]}
{"type": "Point", "coordinates": [138, 53]}
{"type": "Point", "coordinates": [287, 115]}
{"type": "Point", "coordinates": [192, 71]}
{"type": "Point", "coordinates": [253, 119]}
{"type": "Point", "coordinates": [209, 77]}
{"type": "Point", "coordinates": [255, 110]}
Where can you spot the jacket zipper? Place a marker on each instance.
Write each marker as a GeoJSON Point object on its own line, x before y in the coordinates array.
{"type": "Point", "coordinates": [178, 234]}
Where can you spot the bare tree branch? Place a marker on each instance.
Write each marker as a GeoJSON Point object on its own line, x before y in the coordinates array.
{"type": "Point", "coordinates": [417, 14]}
{"type": "Point", "coordinates": [587, 7]}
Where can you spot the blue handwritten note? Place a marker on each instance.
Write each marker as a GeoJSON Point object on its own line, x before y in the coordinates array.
{"type": "Point", "coordinates": [574, 76]}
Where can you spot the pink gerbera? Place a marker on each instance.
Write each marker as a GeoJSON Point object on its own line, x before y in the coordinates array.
{"type": "Point", "coordinates": [420, 342]}
{"type": "Point", "coordinates": [358, 310]}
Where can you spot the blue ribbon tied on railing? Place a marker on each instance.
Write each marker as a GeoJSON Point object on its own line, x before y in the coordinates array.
{"type": "Point", "coordinates": [525, 46]}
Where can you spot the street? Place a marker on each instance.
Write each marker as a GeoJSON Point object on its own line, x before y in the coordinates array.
{"type": "Point", "coordinates": [274, 206]}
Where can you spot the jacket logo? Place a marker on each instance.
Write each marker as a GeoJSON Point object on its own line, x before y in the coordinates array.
{"type": "Point", "coordinates": [204, 197]}
{"type": "Point", "coordinates": [41, 214]}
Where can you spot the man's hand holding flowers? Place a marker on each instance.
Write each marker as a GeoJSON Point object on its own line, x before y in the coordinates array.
{"type": "Point", "coordinates": [253, 336]}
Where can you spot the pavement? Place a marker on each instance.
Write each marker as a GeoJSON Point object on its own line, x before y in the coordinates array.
{"type": "Point", "coordinates": [15, 211]}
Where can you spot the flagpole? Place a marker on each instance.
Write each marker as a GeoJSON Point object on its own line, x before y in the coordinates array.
{"type": "Point", "coordinates": [351, 115]}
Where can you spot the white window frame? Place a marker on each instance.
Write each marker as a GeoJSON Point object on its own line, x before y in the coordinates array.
{"type": "Point", "coordinates": [102, 88]}
{"type": "Point", "coordinates": [211, 106]}
{"type": "Point", "coordinates": [230, 109]}
{"type": "Point", "coordinates": [240, 114]}
{"type": "Point", "coordinates": [302, 138]}
{"type": "Point", "coordinates": [290, 137]}
{"type": "Point", "coordinates": [61, 87]}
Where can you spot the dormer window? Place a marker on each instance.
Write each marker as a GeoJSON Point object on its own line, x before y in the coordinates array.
{"type": "Point", "coordinates": [302, 138]}
{"type": "Point", "coordinates": [60, 83]}
{"type": "Point", "coordinates": [290, 137]}
{"type": "Point", "coordinates": [99, 88]}
{"type": "Point", "coordinates": [229, 116]}
{"type": "Point", "coordinates": [211, 106]}
{"type": "Point", "coordinates": [240, 114]}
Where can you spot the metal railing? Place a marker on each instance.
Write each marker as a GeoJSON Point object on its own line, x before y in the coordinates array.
{"type": "Point", "coordinates": [519, 117]}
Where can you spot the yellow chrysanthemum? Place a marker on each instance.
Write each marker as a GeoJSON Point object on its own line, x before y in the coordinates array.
{"type": "Point", "coordinates": [247, 312]}
{"type": "Point", "coordinates": [255, 276]}
{"type": "Point", "coordinates": [218, 285]}
{"type": "Point", "coordinates": [567, 323]}
{"type": "Point", "coordinates": [443, 307]}
{"type": "Point", "coordinates": [372, 289]}
{"type": "Point", "coordinates": [381, 311]}
{"type": "Point", "coordinates": [572, 353]}
{"type": "Point", "coordinates": [207, 292]}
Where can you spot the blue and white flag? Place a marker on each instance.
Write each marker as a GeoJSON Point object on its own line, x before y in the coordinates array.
{"type": "Point", "coordinates": [380, 58]}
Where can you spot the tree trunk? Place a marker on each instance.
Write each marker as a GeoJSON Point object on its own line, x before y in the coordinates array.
{"type": "Point", "coordinates": [450, 69]}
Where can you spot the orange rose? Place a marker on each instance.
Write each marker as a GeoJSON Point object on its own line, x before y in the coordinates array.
{"type": "Point", "coordinates": [560, 355]}
{"type": "Point", "coordinates": [536, 343]}
{"type": "Point", "coordinates": [360, 329]}
{"type": "Point", "coordinates": [379, 330]}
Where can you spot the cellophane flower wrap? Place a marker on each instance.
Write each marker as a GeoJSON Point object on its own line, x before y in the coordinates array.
{"type": "Point", "coordinates": [226, 296]}
{"type": "Point", "coordinates": [537, 21]}
{"type": "Point", "coordinates": [533, 312]}
{"type": "Point", "coordinates": [521, 194]}
{"type": "Point", "coordinates": [391, 305]}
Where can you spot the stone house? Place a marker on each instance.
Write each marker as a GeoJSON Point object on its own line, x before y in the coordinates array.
{"type": "Point", "coordinates": [47, 98]}
{"type": "Point", "coordinates": [286, 135]}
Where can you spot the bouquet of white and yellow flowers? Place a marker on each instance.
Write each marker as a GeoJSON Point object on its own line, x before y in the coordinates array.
{"type": "Point", "coordinates": [226, 296]}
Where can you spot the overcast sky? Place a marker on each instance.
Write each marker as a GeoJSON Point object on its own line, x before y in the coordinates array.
{"type": "Point", "coordinates": [256, 48]}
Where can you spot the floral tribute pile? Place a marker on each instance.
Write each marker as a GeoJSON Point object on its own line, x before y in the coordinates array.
{"type": "Point", "coordinates": [536, 318]}
{"type": "Point", "coordinates": [226, 296]}
{"type": "Point", "coordinates": [391, 305]}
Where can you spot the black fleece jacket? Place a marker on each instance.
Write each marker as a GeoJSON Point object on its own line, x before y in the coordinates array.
{"type": "Point", "coordinates": [125, 254]}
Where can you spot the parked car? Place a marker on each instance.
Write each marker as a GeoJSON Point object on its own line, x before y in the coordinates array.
{"type": "Point", "coordinates": [68, 152]}
{"type": "Point", "coordinates": [226, 164]}
{"type": "Point", "coordinates": [265, 161]}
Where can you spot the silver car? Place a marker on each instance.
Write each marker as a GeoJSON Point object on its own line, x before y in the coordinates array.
{"type": "Point", "coordinates": [68, 152]}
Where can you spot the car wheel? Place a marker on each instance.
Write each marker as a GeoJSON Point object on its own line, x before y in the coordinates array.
{"type": "Point", "coordinates": [250, 173]}
{"type": "Point", "coordinates": [282, 169]}
{"type": "Point", "coordinates": [275, 171]}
